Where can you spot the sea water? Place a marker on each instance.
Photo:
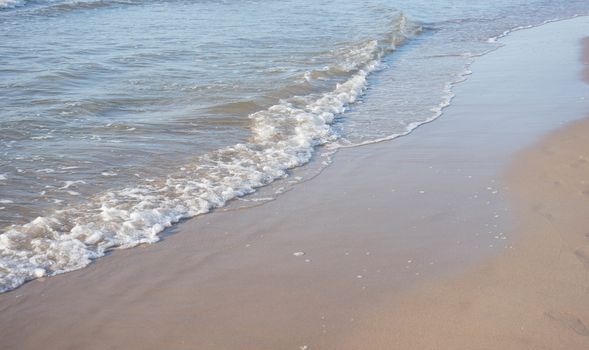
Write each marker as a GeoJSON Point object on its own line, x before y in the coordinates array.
{"type": "Point", "coordinates": [118, 118]}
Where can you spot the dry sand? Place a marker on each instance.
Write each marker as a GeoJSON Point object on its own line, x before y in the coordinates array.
{"type": "Point", "coordinates": [367, 254]}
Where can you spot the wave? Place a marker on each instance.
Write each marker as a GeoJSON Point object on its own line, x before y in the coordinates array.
{"type": "Point", "coordinates": [283, 136]}
{"type": "Point", "coordinates": [86, 4]}
{"type": "Point", "coordinates": [51, 7]}
{"type": "Point", "coordinates": [8, 4]}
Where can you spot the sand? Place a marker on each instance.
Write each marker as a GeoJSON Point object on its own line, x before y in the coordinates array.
{"type": "Point", "coordinates": [395, 245]}
{"type": "Point", "coordinates": [535, 296]}
{"type": "Point", "coordinates": [532, 297]}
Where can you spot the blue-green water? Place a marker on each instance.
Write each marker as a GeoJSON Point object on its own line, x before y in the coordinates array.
{"type": "Point", "coordinates": [119, 118]}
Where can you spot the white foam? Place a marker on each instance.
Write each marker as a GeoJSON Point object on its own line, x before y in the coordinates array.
{"type": "Point", "coordinates": [261, 199]}
{"type": "Point", "coordinates": [46, 170]}
{"type": "Point", "coordinates": [283, 136]}
{"type": "Point", "coordinates": [437, 111]}
{"type": "Point", "coordinates": [495, 39]}
{"type": "Point", "coordinates": [43, 137]}
{"type": "Point", "coordinates": [68, 184]}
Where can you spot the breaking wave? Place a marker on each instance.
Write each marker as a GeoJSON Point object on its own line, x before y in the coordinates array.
{"type": "Point", "coordinates": [283, 136]}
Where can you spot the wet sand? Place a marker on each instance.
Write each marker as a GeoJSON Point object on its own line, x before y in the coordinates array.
{"type": "Point", "coordinates": [395, 245]}
{"type": "Point", "coordinates": [585, 59]}
{"type": "Point", "coordinates": [534, 296]}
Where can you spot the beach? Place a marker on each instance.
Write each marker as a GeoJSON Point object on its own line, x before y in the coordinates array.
{"type": "Point", "coordinates": [468, 233]}
{"type": "Point", "coordinates": [531, 297]}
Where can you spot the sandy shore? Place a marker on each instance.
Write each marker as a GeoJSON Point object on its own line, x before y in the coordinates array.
{"type": "Point", "coordinates": [585, 59]}
{"type": "Point", "coordinates": [532, 297]}
{"type": "Point", "coordinates": [419, 243]}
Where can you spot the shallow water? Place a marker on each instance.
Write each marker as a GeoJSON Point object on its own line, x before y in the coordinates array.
{"type": "Point", "coordinates": [119, 118]}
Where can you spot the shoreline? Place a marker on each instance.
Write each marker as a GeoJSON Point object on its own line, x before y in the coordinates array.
{"type": "Point", "coordinates": [306, 269]}
{"type": "Point", "coordinates": [532, 296]}
{"type": "Point", "coordinates": [585, 59]}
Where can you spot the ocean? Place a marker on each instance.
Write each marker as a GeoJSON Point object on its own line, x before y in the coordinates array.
{"type": "Point", "coordinates": [119, 118]}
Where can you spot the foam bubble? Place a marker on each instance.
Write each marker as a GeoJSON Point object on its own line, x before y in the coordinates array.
{"type": "Point", "coordinates": [283, 136]}
{"type": "Point", "coordinates": [46, 170]}
{"type": "Point", "coordinates": [68, 184]}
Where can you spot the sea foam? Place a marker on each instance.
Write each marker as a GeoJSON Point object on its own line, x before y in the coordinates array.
{"type": "Point", "coordinates": [284, 136]}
